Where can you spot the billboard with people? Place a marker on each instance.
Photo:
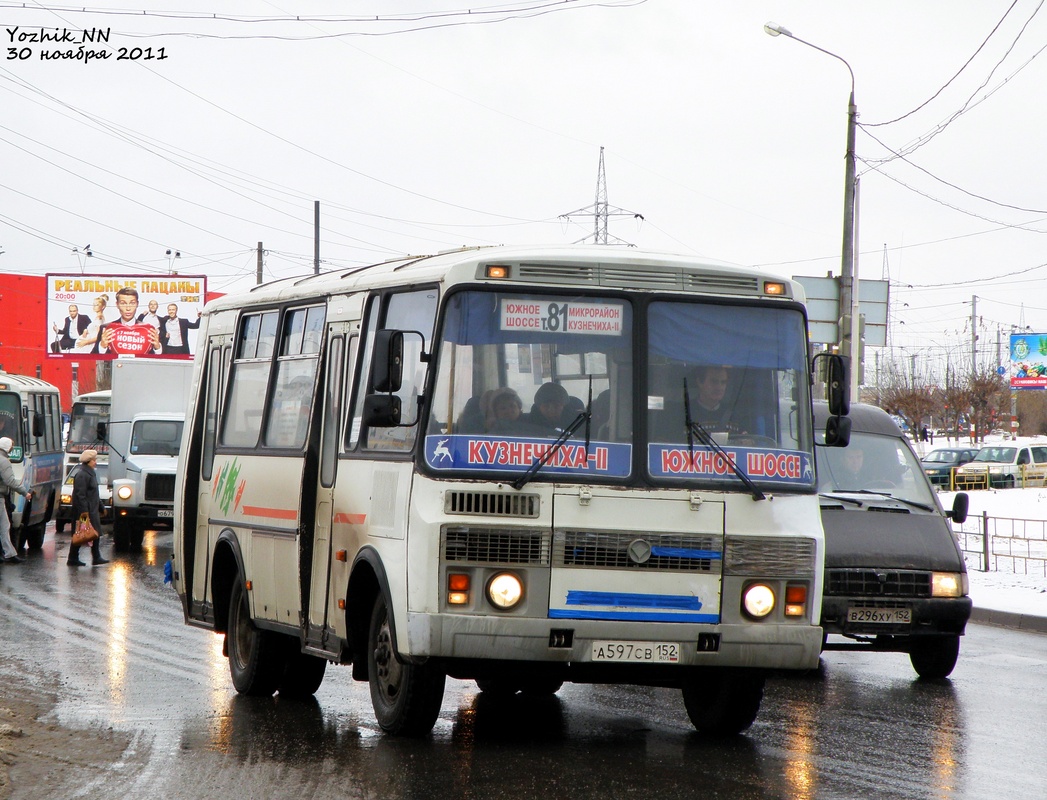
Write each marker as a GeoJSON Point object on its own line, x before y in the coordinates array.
{"type": "Point", "coordinates": [106, 316]}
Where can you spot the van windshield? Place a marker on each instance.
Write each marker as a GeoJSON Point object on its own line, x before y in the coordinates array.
{"type": "Point", "coordinates": [874, 463]}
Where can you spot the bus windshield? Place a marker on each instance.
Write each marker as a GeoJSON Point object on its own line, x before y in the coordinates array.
{"type": "Point", "coordinates": [517, 371]}
{"type": "Point", "coordinates": [83, 427]}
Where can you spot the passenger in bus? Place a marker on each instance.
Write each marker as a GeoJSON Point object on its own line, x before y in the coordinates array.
{"type": "Point", "coordinates": [549, 411]}
{"type": "Point", "coordinates": [8, 484]}
{"type": "Point", "coordinates": [599, 425]}
{"type": "Point", "coordinates": [505, 410]}
{"type": "Point", "coordinates": [474, 416]}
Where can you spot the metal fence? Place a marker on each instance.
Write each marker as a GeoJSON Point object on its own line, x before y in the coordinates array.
{"type": "Point", "coordinates": [1003, 544]}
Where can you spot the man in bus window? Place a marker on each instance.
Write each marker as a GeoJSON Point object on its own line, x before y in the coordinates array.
{"type": "Point", "coordinates": [710, 409]}
{"type": "Point", "coordinates": [549, 409]}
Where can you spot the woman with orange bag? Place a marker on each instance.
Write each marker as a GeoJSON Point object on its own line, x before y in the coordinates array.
{"type": "Point", "coordinates": [85, 501]}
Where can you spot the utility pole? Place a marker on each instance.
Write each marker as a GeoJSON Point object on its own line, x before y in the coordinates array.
{"type": "Point", "coordinates": [601, 211]}
{"type": "Point", "coordinates": [316, 237]}
{"type": "Point", "coordinates": [258, 265]}
{"type": "Point", "coordinates": [974, 335]}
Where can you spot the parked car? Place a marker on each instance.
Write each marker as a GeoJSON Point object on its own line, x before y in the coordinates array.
{"type": "Point", "coordinates": [939, 464]}
{"type": "Point", "coordinates": [895, 579]}
{"type": "Point", "coordinates": [1003, 467]}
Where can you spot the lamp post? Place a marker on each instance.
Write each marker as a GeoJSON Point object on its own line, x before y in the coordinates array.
{"type": "Point", "coordinates": [848, 277]}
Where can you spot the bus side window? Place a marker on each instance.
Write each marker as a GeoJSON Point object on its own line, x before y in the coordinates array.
{"type": "Point", "coordinates": [214, 381]}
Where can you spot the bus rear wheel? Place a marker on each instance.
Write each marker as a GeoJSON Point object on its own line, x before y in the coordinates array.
{"type": "Point", "coordinates": [724, 702]}
{"type": "Point", "coordinates": [406, 697]}
{"type": "Point", "coordinates": [257, 658]}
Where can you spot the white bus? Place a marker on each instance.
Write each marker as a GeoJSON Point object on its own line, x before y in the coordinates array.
{"type": "Point", "coordinates": [89, 409]}
{"type": "Point", "coordinates": [350, 494]}
{"type": "Point", "coordinates": [31, 416]}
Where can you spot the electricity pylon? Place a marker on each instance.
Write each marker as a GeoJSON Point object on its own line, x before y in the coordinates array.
{"type": "Point", "coordinates": [601, 211]}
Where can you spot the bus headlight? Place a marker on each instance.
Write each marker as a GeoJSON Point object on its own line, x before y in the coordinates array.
{"type": "Point", "coordinates": [948, 584]}
{"type": "Point", "coordinates": [758, 600]}
{"type": "Point", "coordinates": [504, 590]}
{"type": "Point", "coordinates": [124, 492]}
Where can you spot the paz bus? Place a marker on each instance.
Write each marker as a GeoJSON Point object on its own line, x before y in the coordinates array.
{"type": "Point", "coordinates": [89, 409]}
{"type": "Point", "coordinates": [31, 416]}
{"type": "Point", "coordinates": [351, 492]}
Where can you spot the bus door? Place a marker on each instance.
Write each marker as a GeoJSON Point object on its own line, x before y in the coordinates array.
{"type": "Point", "coordinates": [324, 591]}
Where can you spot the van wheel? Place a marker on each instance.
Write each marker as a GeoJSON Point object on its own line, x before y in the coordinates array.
{"type": "Point", "coordinates": [34, 536]}
{"type": "Point", "coordinates": [406, 697]}
{"type": "Point", "coordinates": [723, 702]}
{"type": "Point", "coordinates": [934, 657]}
{"type": "Point", "coordinates": [257, 658]}
{"type": "Point", "coordinates": [303, 674]}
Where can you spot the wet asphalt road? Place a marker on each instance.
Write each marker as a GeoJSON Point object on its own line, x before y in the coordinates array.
{"type": "Point", "coordinates": [861, 727]}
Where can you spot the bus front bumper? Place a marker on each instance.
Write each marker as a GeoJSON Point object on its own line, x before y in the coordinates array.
{"type": "Point", "coordinates": [577, 641]}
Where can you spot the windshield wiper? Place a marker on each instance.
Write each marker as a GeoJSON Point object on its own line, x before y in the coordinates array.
{"type": "Point", "coordinates": [913, 503]}
{"type": "Point", "coordinates": [696, 429]}
{"type": "Point", "coordinates": [586, 416]}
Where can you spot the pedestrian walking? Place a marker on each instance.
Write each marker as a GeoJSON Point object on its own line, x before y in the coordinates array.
{"type": "Point", "coordinates": [85, 501]}
{"type": "Point", "coordinates": [8, 484]}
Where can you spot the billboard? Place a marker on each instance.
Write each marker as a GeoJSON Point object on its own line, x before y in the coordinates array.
{"type": "Point", "coordinates": [1029, 360]}
{"type": "Point", "coordinates": [106, 316]}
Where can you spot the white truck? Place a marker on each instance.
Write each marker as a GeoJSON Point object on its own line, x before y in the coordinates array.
{"type": "Point", "coordinates": [149, 402]}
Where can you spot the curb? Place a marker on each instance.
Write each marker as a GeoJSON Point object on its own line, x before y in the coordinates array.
{"type": "Point", "coordinates": [1009, 619]}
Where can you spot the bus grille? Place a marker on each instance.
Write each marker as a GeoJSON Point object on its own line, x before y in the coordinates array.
{"type": "Point", "coordinates": [877, 583]}
{"type": "Point", "coordinates": [635, 550]}
{"type": "Point", "coordinates": [159, 488]}
{"type": "Point", "coordinates": [639, 276]}
{"type": "Point", "coordinates": [767, 557]}
{"type": "Point", "coordinates": [476, 545]}
{"type": "Point", "coordinates": [492, 504]}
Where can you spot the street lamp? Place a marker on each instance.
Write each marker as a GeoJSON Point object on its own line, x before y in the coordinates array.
{"type": "Point", "coordinates": [848, 277]}
{"type": "Point", "coordinates": [171, 256]}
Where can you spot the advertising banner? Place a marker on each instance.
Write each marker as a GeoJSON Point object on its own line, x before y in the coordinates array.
{"type": "Point", "coordinates": [1029, 360]}
{"type": "Point", "coordinates": [106, 316]}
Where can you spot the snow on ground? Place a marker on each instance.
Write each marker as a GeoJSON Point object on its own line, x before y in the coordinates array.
{"type": "Point", "coordinates": [1002, 591]}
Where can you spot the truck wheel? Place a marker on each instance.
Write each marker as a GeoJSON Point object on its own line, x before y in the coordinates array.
{"type": "Point", "coordinates": [122, 531]}
{"type": "Point", "coordinates": [723, 702]}
{"type": "Point", "coordinates": [137, 537]}
{"type": "Point", "coordinates": [934, 657]}
{"type": "Point", "coordinates": [406, 697]}
{"type": "Point", "coordinates": [303, 674]}
{"type": "Point", "coordinates": [256, 657]}
{"type": "Point", "coordinates": [59, 525]}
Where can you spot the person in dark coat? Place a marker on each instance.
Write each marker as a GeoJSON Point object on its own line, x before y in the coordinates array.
{"type": "Point", "coordinates": [85, 500]}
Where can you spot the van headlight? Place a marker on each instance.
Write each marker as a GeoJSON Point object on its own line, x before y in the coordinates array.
{"type": "Point", "coordinates": [948, 584]}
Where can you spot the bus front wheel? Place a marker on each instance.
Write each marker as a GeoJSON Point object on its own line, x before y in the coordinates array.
{"type": "Point", "coordinates": [406, 697]}
{"type": "Point", "coordinates": [257, 658]}
{"type": "Point", "coordinates": [724, 702]}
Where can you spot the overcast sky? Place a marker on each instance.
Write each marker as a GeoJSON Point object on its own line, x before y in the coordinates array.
{"type": "Point", "coordinates": [420, 128]}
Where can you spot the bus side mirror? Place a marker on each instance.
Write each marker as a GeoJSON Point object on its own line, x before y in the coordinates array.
{"type": "Point", "coordinates": [382, 410]}
{"type": "Point", "coordinates": [100, 431]}
{"type": "Point", "coordinates": [833, 370]}
{"type": "Point", "coordinates": [388, 360]}
{"type": "Point", "coordinates": [837, 431]}
{"type": "Point", "coordinates": [38, 425]}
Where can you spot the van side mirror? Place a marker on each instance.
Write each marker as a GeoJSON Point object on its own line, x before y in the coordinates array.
{"type": "Point", "coordinates": [837, 431]}
{"type": "Point", "coordinates": [961, 503]}
{"type": "Point", "coordinates": [387, 373]}
{"type": "Point", "coordinates": [100, 431]}
{"type": "Point", "coordinates": [38, 425]}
